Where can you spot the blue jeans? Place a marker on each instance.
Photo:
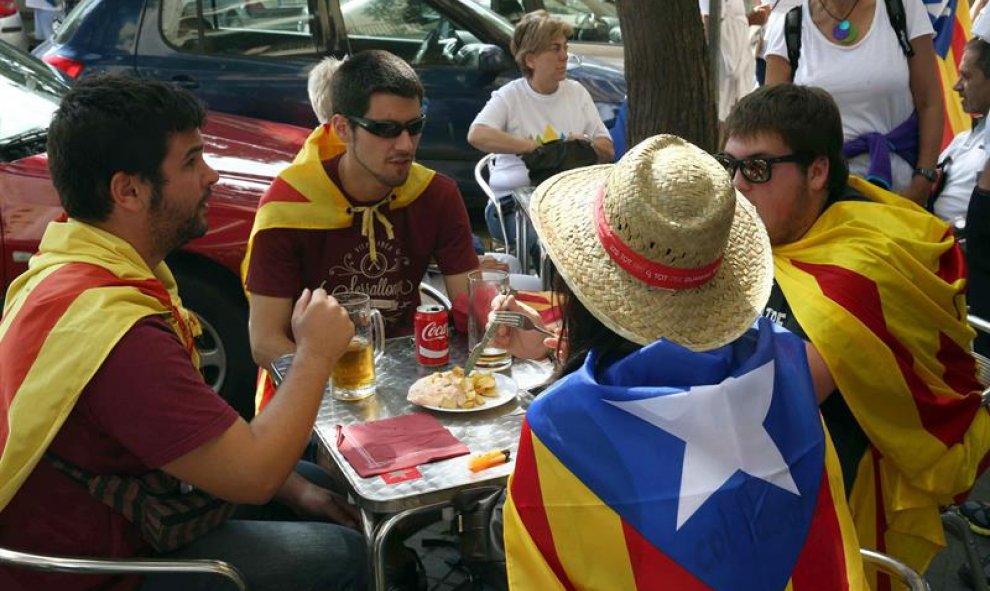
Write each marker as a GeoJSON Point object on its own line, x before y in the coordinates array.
{"type": "Point", "coordinates": [273, 552]}
{"type": "Point", "coordinates": [509, 215]}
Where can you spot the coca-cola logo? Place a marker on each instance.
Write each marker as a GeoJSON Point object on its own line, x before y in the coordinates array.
{"type": "Point", "coordinates": [434, 331]}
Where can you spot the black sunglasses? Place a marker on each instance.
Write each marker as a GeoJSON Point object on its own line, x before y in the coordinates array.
{"type": "Point", "coordinates": [390, 129]}
{"type": "Point", "coordinates": [757, 169]}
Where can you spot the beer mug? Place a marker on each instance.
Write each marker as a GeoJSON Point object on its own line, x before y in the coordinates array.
{"type": "Point", "coordinates": [483, 286]}
{"type": "Point", "coordinates": [353, 377]}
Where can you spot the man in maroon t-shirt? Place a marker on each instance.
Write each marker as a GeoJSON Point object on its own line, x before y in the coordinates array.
{"type": "Point", "coordinates": [127, 159]}
{"type": "Point", "coordinates": [377, 220]}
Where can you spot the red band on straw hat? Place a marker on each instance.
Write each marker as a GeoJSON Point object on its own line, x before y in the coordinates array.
{"type": "Point", "coordinates": [649, 272]}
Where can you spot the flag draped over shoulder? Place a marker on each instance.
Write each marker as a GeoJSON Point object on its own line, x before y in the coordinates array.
{"type": "Point", "coordinates": [950, 19]}
{"type": "Point", "coordinates": [303, 197]}
{"type": "Point", "coordinates": [878, 286]}
{"type": "Point", "coordinates": [724, 479]}
{"type": "Point", "coordinates": [81, 293]}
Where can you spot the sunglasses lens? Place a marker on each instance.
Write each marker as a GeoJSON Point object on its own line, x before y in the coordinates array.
{"type": "Point", "coordinates": [415, 127]}
{"type": "Point", "coordinates": [387, 129]}
{"type": "Point", "coordinates": [728, 163]}
{"type": "Point", "coordinates": [756, 170]}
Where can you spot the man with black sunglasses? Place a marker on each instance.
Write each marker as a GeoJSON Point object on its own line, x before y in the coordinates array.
{"type": "Point", "coordinates": [876, 286]}
{"type": "Point", "coordinates": [354, 212]}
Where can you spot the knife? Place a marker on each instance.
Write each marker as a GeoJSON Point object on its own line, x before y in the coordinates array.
{"type": "Point", "coordinates": [476, 353]}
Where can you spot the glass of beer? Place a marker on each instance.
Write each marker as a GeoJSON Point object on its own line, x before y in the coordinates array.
{"type": "Point", "coordinates": [353, 377]}
{"type": "Point", "coordinates": [483, 286]}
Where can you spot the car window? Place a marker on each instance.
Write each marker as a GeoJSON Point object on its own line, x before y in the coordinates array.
{"type": "Point", "coordinates": [72, 20]}
{"type": "Point", "coordinates": [593, 20]}
{"type": "Point", "coordinates": [269, 28]}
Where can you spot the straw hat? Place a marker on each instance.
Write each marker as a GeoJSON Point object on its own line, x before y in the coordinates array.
{"type": "Point", "coordinates": [687, 257]}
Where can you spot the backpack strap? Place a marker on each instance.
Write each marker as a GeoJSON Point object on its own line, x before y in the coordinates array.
{"type": "Point", "coordinates": [792, 37]}
{"type": "Point", "coordinates": [898, 20]}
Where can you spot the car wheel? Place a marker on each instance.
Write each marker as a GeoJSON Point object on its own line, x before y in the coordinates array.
{"type": "Point", "coordinates": [224, 347]}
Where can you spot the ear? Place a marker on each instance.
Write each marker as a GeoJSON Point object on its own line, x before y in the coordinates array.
{"type": "Point", "coordinates": [128, 191]}
{"type": "Point", "coordinates": [818, 174]}
{"type": "Point", "coordinates": [342, 127]}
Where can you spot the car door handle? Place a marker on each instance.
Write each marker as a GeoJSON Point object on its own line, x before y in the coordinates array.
{"type": "Point", "coordinates": [185, 81]}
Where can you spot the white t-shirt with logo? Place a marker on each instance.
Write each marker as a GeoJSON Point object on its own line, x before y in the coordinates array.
{"type": "Point", "coordinates": [869, 79]}
{"type": "Point", "coordinates": [519, 110]}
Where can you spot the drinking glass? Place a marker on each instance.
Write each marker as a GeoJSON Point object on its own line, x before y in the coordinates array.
{"type": "Point", "coordinates": [353, 377]}
{"type": "Point", "coordinates": [483, 286]}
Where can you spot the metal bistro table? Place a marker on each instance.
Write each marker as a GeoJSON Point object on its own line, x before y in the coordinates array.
{"type": "Point", "coordinates": [384, 505]}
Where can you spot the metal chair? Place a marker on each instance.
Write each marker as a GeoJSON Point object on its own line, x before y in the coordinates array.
{"type": "Point", "coordinates": [479, 178]}
{"type": "Point", "coordinates": [897, 570]}
{"type": "Point", "coordinates": [429, 293]}
{"type": "Point", "coordinates": [982, 363]}
{"type": "Point", "coordinates": [122, 566]}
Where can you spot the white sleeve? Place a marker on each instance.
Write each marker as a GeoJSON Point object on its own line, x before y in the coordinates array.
{"type": "Point", "coordinates": [594, 127]}
{"type": "Point", "coordinates": [494, 114]}
{"type": "Point", "coordinates": [775, 42]}
{"type": "Point", "coordinates": [918, 22]}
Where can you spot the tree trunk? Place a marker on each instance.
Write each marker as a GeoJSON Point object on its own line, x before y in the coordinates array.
{"type": "Point", "coordinates": [669, 84]}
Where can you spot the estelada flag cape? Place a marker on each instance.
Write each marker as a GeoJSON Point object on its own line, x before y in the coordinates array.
{"type": "Point", "coordinates": [303, 197]}
{"type": "Point", "coordinates": [81, 293]}
{"type": "Point", "coordinates": [673, 469]}
{"type": "Point", "coordinates": [878, 287]}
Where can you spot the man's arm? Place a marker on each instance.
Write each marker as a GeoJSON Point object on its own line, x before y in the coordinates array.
{"type": "Point", "coordinates": [269, 328]}
{"type": "Point", "coordinates": [456, 284]}
{"type": "Point", "coordinates": [249, 463]}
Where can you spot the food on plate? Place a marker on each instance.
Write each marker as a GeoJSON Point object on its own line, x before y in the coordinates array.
{"type": "Point", "coordinates": [452, 389]}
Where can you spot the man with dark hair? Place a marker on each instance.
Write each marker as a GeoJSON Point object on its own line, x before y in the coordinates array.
{"type": "Point", "coordinates": [876, 285]}
{"type": "Point", "coordinates": [355, 212]}
{"type": "Point", "coordinates": [100, 373]}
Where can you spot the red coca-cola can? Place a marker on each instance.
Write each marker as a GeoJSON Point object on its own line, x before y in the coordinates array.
{"type": "Point", "coordinates": [432, 340]}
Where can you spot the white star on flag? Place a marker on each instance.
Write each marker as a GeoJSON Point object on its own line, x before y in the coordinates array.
{"type": "Point", "coordinates": [722, 427]}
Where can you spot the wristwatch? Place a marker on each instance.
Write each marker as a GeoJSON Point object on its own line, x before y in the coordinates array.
{"type": "Point", "coordinates": [929, 173]}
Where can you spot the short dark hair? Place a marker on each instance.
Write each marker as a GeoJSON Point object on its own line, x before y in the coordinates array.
{"type": "Point", "coordinates": [982, 50]}
{"type": "Point", "coordinates": [111, 124]}
{"type": "Point", "coordinates": [368, 72]}
{"type": "Point", "coordinates": [805, 117]}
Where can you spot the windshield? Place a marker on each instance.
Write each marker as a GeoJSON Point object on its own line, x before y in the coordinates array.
{"type": "Point", "coordinates": [29, 91]}
{"type": "Point", "coordinates": [492, 18]}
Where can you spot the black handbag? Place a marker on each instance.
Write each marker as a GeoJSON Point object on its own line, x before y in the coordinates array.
{"type": "Point", "coordinates": [558, 156]}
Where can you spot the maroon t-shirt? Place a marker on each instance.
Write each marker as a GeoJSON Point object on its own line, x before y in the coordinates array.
{"type": "Point", "coordinates": [434, 226]}
{"type": "Point", "coordinates": [145, 407]}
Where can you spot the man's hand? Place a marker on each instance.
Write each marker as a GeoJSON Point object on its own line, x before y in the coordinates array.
{"type": "Point", "coordinates": [527, 344]}
{"type": "Point", "coordinates": [759, 15]}
{"type": "Point", "coordinates": [919, 190]}
{"type": "Point", "coordinates": [321, 326]}
{"type": "Point", "coordinates": [309, 501]}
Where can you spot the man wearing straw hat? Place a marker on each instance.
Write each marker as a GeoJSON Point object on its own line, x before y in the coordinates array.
{"type": "Point", "coordinates": [682, 446]}
{"type": "Point", "coordinates": [876, 286]}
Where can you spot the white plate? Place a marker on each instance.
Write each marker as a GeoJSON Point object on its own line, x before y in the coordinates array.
{"type": "Point", "coordinates": [505, 387]}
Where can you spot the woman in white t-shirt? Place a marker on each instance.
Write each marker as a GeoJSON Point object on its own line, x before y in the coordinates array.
{"type": "Point", "coordinates": [850, 48]}
{"type": "Point", "coordinates": [541, 106]}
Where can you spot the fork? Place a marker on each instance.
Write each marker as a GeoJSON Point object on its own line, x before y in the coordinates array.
{"type": "Point", "coordinates": [520, 321]}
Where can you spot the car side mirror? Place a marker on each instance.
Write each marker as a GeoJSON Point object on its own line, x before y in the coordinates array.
{"type": "Point", "coordinates": [492, 59]}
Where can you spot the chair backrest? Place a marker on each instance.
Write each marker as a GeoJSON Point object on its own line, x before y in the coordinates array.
{"type": "Point", "coordinates": [897, 570]}
{"type": "Point", "coordinates": [479, 176]}
{"type": "Point", "coordinates": [982, 362]}
{"type": "Point", "coordinates": [429, 294]}
{"type": "Point", "coordinates": [122, 566]}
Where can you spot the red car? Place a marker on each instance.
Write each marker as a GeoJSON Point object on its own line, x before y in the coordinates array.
{"type": "Point", "coordinates": [247, 153]}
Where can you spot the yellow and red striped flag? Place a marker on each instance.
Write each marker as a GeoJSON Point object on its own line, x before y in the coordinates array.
{"type": "Point", "coordinates": [878, 287]}
{"type": "Point", "coordinates": [950, 19]}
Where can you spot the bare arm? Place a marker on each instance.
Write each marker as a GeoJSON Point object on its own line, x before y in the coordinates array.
{"type": "Point", "coordinates": [927, 93]}
{"type": "Point", "coordinates": [269, 328]}
{"type": "Point", "coordinates": [495, 141]}
{"type": "Point", "coordinates": [455, 284]}
{"type": "Point", "coordinates": [249, 463]}
{"type": "Point", "coordinates": [820, 374]}
{"type": "Point", "coordinates": [778, 70]}
{"type": "Point", "coordinates": [605, 149]}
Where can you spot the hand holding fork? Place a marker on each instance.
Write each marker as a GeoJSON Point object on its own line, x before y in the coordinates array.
{"type": "Point", "coordinates": [519, 329]}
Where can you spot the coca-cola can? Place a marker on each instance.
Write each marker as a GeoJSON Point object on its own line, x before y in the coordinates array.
{"type": "Point", "coordinates": [432, 340]}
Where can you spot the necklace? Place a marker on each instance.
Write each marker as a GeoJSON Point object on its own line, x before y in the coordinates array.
{"type": "Point", "coordinates": [844, 32]}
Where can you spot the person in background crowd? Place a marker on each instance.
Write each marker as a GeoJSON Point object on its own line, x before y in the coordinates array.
{"type": "Point", "coordinates": [737, 74]}
{"type": "Point", "coordinates": [857, 268]}
{"type": "Point", "coordinates": [99, 310]}
{"type": "Point", "coordinates": [891, 105]}
{"type": "Point", "coordinates": [355, 212]}
{"type": "Point", "coordinates": [961, 163]}
{"type": "Point", "coordinates": [46, 12]}
{"type": "Point", "coordinates": [663, 355]}
{"type": "Point", "coordinates": [540, 107]}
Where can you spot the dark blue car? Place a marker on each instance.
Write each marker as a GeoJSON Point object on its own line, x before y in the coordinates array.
{"type": "Point", "coordinates": [251, 57]}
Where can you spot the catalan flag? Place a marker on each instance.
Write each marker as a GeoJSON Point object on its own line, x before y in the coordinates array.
{"type": "Point", "coordinates": [673, 469]}
{"type": "Point", "coordinates": [81, 293]}
{"type": "Point", "coordinates": [950, 19]}
{"type": "Point", "coordinates": [303, 197]}
{"type": "Point", "coordinates": [878, 286]}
